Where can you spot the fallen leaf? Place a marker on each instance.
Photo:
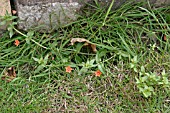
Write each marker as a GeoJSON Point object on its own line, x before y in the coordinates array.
{"type": "Point", "coordinates": [14, 12]}
{"type": "Point", "coordinates": [87, 43]}
{"type": "Point", "coordinates": [9, 74]}
{"type": "Point", "coordinates": [98, 73]}
{"type": "Point", "coordinates": [68, 69]}
{"type": "Point", "coordinates": [93, 48]}
{"type": "Point", "coordinates": [17, 42]}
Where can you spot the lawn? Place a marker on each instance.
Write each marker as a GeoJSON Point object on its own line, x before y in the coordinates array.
{"type": "Point", "coordinates": [106, 61]}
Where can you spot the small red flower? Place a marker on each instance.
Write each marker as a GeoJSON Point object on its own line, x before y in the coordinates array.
{"type": "Point", "coordinates": [17, 42]}
{"type": "Point", "coordinates": [68, 69]}
{"type": "Point", "coordinates": [98, 73]}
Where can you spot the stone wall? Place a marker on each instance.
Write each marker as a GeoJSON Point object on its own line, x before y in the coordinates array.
{"type": "Point", "coordinates": [49, 14]}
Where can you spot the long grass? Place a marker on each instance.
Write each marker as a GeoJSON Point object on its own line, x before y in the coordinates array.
{"type": "Point", "coordinates": [119, 35]}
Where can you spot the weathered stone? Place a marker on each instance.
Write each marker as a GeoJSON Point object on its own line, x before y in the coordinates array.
{"type": "Point", "coordinates": [46, 14]}
{"type": "Point", "coordinates": [4, 7]}
{"type": "Point", "coordinates": [49, 14]}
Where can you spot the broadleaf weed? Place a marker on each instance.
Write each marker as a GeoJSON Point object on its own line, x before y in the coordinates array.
{"type": "Point", "coordinates": [148, 81]}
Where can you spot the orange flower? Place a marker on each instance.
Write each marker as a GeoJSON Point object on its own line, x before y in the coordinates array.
{"type": "Point", "coordinates": [17, 42]}
{"type": "Point", "coordinates": [68, 69]}
{"type": "Point", "coordinates": [98, 73]}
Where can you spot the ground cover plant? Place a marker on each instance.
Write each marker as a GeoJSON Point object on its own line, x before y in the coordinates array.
{"type": "Point", "coordinates": [106, 61]}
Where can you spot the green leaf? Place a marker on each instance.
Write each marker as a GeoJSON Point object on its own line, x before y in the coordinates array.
{"type": "Point", "coordinates": [13, 24]}
{"type": "Point", "coordinates": [13, 17]}
{"type": "Point", "coordinates": [46, 59]}
{"type": "Point", "coordinates": [11, 32]}
{"type": "Point", "coordinates": [38, 69]}
{"type": "Point", "coordinates": [64, 60]}
{"type": "Point", "coordinates": [92, 62]}
{"type": "Point", "coordinates": [78, 59]}
{"type": "Point", "coordinates": [27, 40]}
{"type": "Point", "coordinates": [106, 47]}
{"type": "Point", "coordinates": [142, 69]}
{"type": "Point", "coordinates": [135, 59]}
{"type": "Point", "coordinates": [101, 68]}
{"type": "Point", "coordinates": [78, 47]}
{"type": "Point", "coordinates": [72, 64]}
{"type": "Point", "coordinates": [82, 70]}
{"type": "Point", "coordinates": [35, 59]}
{"type": "Point", "coordinates": [41, 61]}
{"type": "Point", "coordinates": [29, 36]}
{"type": "Point", "coordinates": [97, 57]}
{"type": "Point", "coordinates": [102, 53]}
{"type": "Point", "coordinates": [163, 73]}
{"type": "Point", "coordinates": [89, 64]}
{"type": "Point", "coordinates": [147, 93]}
{"type": "Point", "coordinates": [132, 65]}
{"type": "Point", "coordinates": [123, 54]}
{"type": "Point", "coordinates": [143, 79]}
{"type": "Point", "coordinates": [137, 80]}
{"type": "Point", "coordinates": [2, 23]}
{"type": "Point", "coordinates": [165, 81]}
{"type": "Point", "coordinates": [135, 69]}
{"type": "Point", "coordinates": [67, 96]}
{"type": "Point", "coordinates": [30, 33]}
{"type": "Point", "coordinates": [141, 89]}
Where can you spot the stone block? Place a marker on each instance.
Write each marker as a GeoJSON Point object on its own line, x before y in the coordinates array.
{"type": "Point", "coordinates": [4, 7]}
{"type": "Point", "coordinates": [46, 14]}
{"type": "Point", "coordinates": [50, 14]}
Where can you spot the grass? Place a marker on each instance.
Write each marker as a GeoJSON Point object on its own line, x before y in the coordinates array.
{"type": "Point", "coordinates": [43, 85]}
